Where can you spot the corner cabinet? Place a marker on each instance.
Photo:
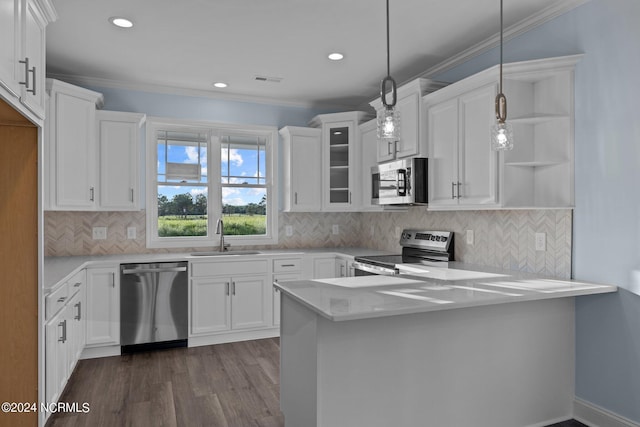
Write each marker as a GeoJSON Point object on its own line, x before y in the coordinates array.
{"type": "Point", "coordinates": [22, 52]}
{"type": "Point", "coordinates": [118, 136]}
{"type": "Point", "coordinates": [340, 161]}
{"type": "Point", "coordinates": [302, 169]}
{"type": "Point", "coordinates": [70, 148]}
{"type": "Point", "coordinates": [103, 307]}
{"type": "Point", "coordinates": [413, 139]}
{"type": "Point", "coordinates": [463, 170]}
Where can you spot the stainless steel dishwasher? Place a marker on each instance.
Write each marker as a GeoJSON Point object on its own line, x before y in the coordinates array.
{"type": "Point", "coordinates": [153, 306]}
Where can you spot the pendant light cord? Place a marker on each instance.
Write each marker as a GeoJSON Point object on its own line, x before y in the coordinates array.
{"type": "Point", "coordinates": [388, 54]}
{"type": "Point", "coordinates": [501, 42]}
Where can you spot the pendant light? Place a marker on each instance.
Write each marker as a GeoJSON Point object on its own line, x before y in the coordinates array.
{"type": "Point", "coordinates": [388, 117]}
{"type": "Point", "coordinates": [501, 132]}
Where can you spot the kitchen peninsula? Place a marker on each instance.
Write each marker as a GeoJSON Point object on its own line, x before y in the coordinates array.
{"type": "Point", "coordinates": [432, 347]}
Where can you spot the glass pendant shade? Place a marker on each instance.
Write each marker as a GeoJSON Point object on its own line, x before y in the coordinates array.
{"type": "Point", "coordinates": [501, 136]}
{"type": "Point", "coordinates": [388, 124]}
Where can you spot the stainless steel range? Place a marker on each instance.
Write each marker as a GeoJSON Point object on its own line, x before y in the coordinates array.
{"type": "Point", "coordinates": [434, 248]}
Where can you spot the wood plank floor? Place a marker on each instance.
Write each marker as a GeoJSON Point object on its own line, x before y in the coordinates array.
{"type": "Point", "coordinates": [226, 385]}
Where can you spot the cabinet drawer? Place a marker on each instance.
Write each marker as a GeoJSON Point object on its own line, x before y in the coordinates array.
{"type": "Point", "coordinates": [288, 264]}
{"type": "Point", "coordinates": [229, 268]}
{"type": "Point", "coordinates": [77, 282]}
{"type": "Point", "coordinates": [56, 300]}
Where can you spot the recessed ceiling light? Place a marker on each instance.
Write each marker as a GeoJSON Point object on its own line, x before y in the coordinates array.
{"type": "Point", "coordinates": [121, 22]}
{"type": "Point", "coordinates": [220, 85]}
{"type": "Point", "coordinates": [336, 56]}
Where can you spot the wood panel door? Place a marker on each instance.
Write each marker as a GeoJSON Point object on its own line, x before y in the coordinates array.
{"type": "Point", "coordinates": [19, 253]}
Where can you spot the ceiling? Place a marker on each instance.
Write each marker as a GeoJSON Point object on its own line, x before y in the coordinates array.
{"type": "Point", "coordinates": [187, 45]}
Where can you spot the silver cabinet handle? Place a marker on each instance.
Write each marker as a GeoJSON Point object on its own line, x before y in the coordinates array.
{"type": "Point", "coordinates": [389, 148]}
{"type": "Point", "coordinates": [154, 270]}
{"type": "Point", "coordinates": [79, 315]}
{"type": "Point", "coordinates": [295, 198]}
{"type": "Point", "coordinates": [233, 284]}
{"type": "Point", "coordinates": [33, 89]}
{"type": "Point", "coordinates": [26, 76]}
{"type": "Point", "coordinates": [63, 325]}
{"type": "Point", "coordinates": [459, 184]}
{"type": "Point", "coordinates": [349, 197]}
{"type": "Point", "coordinates": [62, 299]}
{"type": "Point", "coordinates": [132, 200]}
{"type": "Point", "coordinates": [91, 194]}
{"type": "Point", "coordinates": [287, 265]}
{"type": "Point", "coordinates": [453, 186]}
{"type": "Point", "coordinates": [227, 286]}
{"type": "Point", "coordinates": [113, 280]}
{"type": "Point", "coordinates": [77, 284]}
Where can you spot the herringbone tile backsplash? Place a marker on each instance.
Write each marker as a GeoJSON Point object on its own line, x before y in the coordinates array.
{"type": "Point", "coordinates": [504, 239]}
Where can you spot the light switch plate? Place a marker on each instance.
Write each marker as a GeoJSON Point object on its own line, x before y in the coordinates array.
{"type": "Point", "coordinates": [541, 242]}
{"type": "Point", "coordinates": [131, 232]}
{"type": "Point", "coordinates": [469, 237]}
{"type": "Point", "coordinates": [336, 229]}
{"type": "Point", "coordinates": [288, 230]}
{"type": "Point", "coordinates": [99, 233]}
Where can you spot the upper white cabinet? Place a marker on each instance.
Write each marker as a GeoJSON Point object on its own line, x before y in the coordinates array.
{"type": "Point", "coordinates": [302, 169]}
{"type": "Point", "coordinates": [118, 136]}
{"type": "Point", "coordinates": [464, 173]}
{"type": "Point", "coordinates": [71, 146]}
{"type": "Point", "coordinates": [340, 161]}
{"type": "Point", "coordinates": [539, 171]}
{"type": "Point", "coordinates": [462, 167]}
{"type": "Point", "coordinates": [22, 53]}
{"type": "Point", "coordinates": [368, 159]}
{"type": "Point", "coordinates": [413, 140]}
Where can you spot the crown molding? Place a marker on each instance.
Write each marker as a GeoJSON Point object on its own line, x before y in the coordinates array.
{"type": "Point", "coordinates": [519, 28]}
{"type": "Point", "coordinates": [174, 90]}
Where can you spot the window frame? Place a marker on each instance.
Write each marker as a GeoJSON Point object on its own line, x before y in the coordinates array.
{"type": "Point", "coordinates": [214, 182]}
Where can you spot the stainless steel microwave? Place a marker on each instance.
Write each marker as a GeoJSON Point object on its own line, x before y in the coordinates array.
{"type": "Point", "coordinates": [400, 182]}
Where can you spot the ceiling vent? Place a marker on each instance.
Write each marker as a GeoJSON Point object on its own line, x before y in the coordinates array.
{"type": "Point", "coordinates": [267, 79]}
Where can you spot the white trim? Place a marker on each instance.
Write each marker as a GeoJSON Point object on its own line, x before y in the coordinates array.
{"type": "Point", "coordinates": [100, 351]}
{"type": "Point", "coordinates": [232, 336]}
{"type": "Point", "coordinates": [595, 416]}
{"type": "Point", "coordinates": [531, 22]}
{"type": "Point", "coordinates": [167, 89]}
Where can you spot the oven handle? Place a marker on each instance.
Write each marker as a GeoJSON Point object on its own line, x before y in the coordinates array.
{"type": "Point", "coordinates": [374, 269]}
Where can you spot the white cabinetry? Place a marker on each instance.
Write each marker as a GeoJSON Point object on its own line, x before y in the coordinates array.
{"type": "Point", "coordinates": [344, 266]}
{"type": "Point", "coordinates": [302, 169]}
{"type": "Point", "coordinates": [324, 267]}
{"type": "Point", "coordinates": [64, 333]}
{"type": "Point", "coordinates": [368, 159]}
{"type": "Point", "coordinates": [413, 141]}
{"type": "Point", "coordinates": [463, 170]}
{"type": "Point", "coordinates": [22, 52]}
{"type": "Point", "coordinates": [71, 146]}
{"type": "Point", "coordinates": [340, 161]}
{"type": "Point", "coordinates": [538, 172]}
{"type": "Point", "coordinates": [103, 307]}
{"type": "Point", "coordinates": [229, 297]}
{"type": "Point", "coordinates": [118, 154]}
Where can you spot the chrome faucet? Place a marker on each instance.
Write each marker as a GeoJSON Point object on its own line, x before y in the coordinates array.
{"type": "Point", "coordinates": [220, 230]}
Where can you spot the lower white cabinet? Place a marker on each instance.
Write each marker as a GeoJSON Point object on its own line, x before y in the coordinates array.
{"type": "Point", "coordinates": [64, 334]}
{"type": "Point", "coordinates": [103, 306]}
{"type": "Point", "coordinates": [324, 267]}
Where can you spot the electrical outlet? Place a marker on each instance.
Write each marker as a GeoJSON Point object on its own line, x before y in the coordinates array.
{"type": "Point", "coordinates": [336, 229]}
{"type": "Point", "coordinates": [288, 230]}
{"type": "Point", "coordinates": [469, 237]}
{"type": "Point", "coordinates": [99, 233]}
{"type": "Point", "coordinates": [372, 231]}
{"type": "Point", "coordinates": [541, 242]}
{"type": "Point", "coordinates": [131, 233]}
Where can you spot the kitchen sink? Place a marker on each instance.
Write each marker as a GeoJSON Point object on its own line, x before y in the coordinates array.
{"type": "Point", "coordinates": [217, 253]}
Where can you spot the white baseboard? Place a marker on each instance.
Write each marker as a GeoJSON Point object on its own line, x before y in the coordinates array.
{"type": "Point", "coordinates": [595, 416]}
{"type": "Point", "coordinates": [223, 338]}
{"type": "Point", "coordinates": [95, 352]}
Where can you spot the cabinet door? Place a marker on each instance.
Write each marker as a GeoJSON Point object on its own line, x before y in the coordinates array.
{"type": "Point", "coordinates": [118, 142]}
{"type": "Point", "coordinates": [9, 46]}
{"type": "Point", "coordinates": [477, 173]}
{"type": "Point", "coordinates": [409, 109]}
{"type": "Point", "coordinates": [103, 307]}
{"type": "Point", "coordinates": [369, 158]}
{"type": "Point", "coordinates": [34, 24]}
{"type": "Point", "coordinates": [55, 357]}
{"type": "Point", "coordinates": [339, 165]}
{"type": "Point", "coordinates": [324, 268]}
{"type": "Point", "coordinates": [276, 293]}
{"type": "Point", "coordinates": [248, 297]}
{"type": "Point", "coordinates": [341, 268]}
{"type": "Point", "coordinates": [73, 330]}
{"type": "Point", "coordinates": [74, 156]}
{"type": "Point", "coordinates": [443, 152]}
{"type": "Point", "coordinates": [306, 173]}
{"type": "Point", "coordinates": [210, 305]}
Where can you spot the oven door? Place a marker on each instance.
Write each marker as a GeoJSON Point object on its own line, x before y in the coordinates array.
{"type": "Point", "coordinates": [363, 269]}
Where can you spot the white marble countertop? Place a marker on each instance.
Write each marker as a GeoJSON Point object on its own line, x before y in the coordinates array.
{"type": "Point", "coordinates": [421, 289]}
{"type": "Point", "coordinates": [59, 269]}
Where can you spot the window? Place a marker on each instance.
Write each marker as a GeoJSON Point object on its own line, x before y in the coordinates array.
{"type": "Point", "coordinates": [198, 173]}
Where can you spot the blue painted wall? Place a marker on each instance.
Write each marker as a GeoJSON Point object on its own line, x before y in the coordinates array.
{"type": "Point", "coordinates": [607, 214]}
